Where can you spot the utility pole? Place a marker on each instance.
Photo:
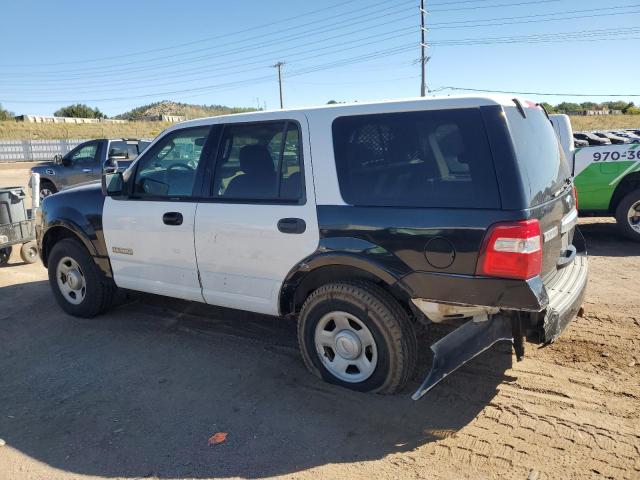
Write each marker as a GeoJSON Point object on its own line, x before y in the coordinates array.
{"type": "Point", "coordinates": [279, 67]}
{"type": "Point", "coordinates": [423, 48]}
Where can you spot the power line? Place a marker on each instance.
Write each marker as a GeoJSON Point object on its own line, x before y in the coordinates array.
{"type": "Point", "coordinates": [265, 40]}
{"type": "Point", "coordinates": [250, 81]}
{"type": "Point", "coordinates": [180, 45]}
{"type": "Point", "coordinates": [330, 50]}
{"type": "Point", "coordinates": [539, 93]}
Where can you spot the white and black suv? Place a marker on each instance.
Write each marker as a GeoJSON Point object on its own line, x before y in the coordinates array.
{"type": "Point", "coordinates": [357, 220]}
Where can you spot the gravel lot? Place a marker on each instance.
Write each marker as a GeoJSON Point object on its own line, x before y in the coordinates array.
{"type": "Point", "coordinates": [137, 393]}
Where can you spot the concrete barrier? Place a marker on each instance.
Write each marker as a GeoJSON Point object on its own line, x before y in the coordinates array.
{"type": "Point", "coordinates": [35, 150]}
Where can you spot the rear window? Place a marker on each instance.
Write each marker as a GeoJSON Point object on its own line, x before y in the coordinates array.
{"type": "Point", "coordinates": [538, 153]}
{"type": "Point", "coordinates": [438, 158]}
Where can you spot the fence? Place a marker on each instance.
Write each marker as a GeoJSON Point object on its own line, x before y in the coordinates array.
{"type": "Point", "coordinates": [35, 150]}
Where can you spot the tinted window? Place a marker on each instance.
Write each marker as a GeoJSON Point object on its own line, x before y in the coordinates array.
{"type": "Point", "coordinates": [415, 159]}
{"type": "Point", "coordinates": [259, 161]}
{"type": "Point", "coordinates": [118, 149]}
{"type": "Point", "coordinates": [169, 169]}
{"type": "Point", "coordinates": [538, 153]}
{"type": "Point", "coordinates": [84, 154]}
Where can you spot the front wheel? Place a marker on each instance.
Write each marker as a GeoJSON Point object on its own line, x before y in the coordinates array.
{"type": "Point", "coordinates": [356, 335]}
{"type": "Point", "coordinates": [77, 284]}
{"type": "Point", "coordinates": [628, 215]}
{"type": "Point", "coordinates": [46, 189]}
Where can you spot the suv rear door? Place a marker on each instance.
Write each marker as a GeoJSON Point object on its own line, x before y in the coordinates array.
{"type": "Point", "coordinates": [260, 218]}
{"type": "Point", "coordinates": [546, 177]}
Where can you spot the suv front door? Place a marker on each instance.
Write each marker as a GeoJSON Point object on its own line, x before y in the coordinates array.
{"type": "Point", "coordinates": [260, 219]}
{"type": "Point", "coordinates": [81, 164]}
{"type": "Point", "coordinates": [149, 234]}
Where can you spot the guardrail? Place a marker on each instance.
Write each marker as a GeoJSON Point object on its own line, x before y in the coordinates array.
{"type": "Point", "coordinates": [35, 150]}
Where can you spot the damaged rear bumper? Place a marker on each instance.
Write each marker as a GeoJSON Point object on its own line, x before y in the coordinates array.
{"type": "Point", "coordinates": [565, 292]}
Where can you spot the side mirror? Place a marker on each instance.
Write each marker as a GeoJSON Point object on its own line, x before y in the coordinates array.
{"type": "Point", "coordinates": [57, 159]}
{"type": "Point", "coordinates": [112, 184]}
{"type": "Point", "coordinates": [110, 165]}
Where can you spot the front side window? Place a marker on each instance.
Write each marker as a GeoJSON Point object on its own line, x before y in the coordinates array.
{"type": "Point", "coordinates": [84, 155]}
{"type": "Point", "coordinates": [438, 158]}
{"type": "Point", "coordinates": [259, 161]}
{"type": "Point", "coordinates": [169, 170]}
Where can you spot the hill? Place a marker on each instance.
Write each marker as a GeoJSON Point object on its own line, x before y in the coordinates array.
{"type": "Point", "coordinates": [167, 107]}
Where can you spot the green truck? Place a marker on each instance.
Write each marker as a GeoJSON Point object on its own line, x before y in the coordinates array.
{"type": "Point", "coordinates": [607, 178]}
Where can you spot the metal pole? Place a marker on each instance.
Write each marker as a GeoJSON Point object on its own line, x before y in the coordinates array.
{"type": "Point", "coordinates": [423, 60]}
{"type": "Point", "coordinates": [279, 67]}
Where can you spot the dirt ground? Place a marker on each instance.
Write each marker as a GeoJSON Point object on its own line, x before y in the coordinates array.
{"type": "Point", "coordinates": [137, 392]}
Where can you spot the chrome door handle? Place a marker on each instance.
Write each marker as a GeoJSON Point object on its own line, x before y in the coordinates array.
{"type": "Point", "coordinates": [87, 170]}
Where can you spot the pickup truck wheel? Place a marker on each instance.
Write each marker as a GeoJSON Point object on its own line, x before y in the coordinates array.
{"type": "Point", "coordinates": [47, 188]}
{"type": "Point", "coordinates": [628, 215]}
{"type": "Point", "coordinates": [76, 281]}
{"type": "Point", "coordinates": [356, 335]}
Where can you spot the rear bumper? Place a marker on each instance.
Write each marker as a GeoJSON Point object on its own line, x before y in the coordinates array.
{"type": "Point", "coordinates": [565, 290]}
{"type": "Point", "coordinates": [563, 294]}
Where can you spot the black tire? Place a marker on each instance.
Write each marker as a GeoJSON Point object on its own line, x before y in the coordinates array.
{"type": "Point", "coordinates": [29, 252]}
{"type": "Point", "coordinates": [622, 215]}
{"type": "Point", "coordinates": [99, 291]}
{"type": "Point", "coordinates": [47, 188]}
{"type": "Point", "coordinates": [5, 254]}
{"type": "Point", "coordinates": [388, 323]}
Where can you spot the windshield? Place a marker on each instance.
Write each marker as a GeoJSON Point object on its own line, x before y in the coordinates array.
{"type": "Point", "coordinates": [539, 154]}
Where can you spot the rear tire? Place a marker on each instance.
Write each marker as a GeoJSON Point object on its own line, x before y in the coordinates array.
{"type": "Point", "coordinates": [628, 215]}
{"type": "Point", "coordinates": [356, 335]}
{"type": "Point", "coordinates": [78, 285]}
{"type": "Point", "coordinates": [29, 252]}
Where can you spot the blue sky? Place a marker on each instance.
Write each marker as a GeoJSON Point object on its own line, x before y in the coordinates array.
{"type": "Point", "coordinates": [120, 54]}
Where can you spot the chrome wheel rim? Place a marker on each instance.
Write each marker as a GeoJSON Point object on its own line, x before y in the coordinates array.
{"type": "Point", "coordinates": [45, 192]}
{"type": "Point", "coordinates": [71, 281]}
{"type": "Point", "coordinates": [346, 347]}
{"type": "Point", "coordinates": [633, 217]}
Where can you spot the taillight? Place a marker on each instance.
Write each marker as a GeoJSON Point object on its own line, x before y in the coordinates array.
{"type": "Point", "coordinates": [575, 196]}
{"type": "Point", "coordinates": [512, 250]}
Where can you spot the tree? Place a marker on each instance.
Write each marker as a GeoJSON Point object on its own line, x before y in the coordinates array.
{"type": "Point", "coordinates": [79, 110]}
{"type": "Point", "coordinates": [332, 102]}
{"type": "Point", "coordinates": [5, 114]}
{"type": "Point", "coordinates": [589, 105]}
{"type": "Point", "coordinates": [568, 107]}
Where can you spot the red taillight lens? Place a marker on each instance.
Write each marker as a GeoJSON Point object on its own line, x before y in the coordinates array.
{"type": "Point", "coordinates": [575, 196]}
{"type": "Point", "coordinates": [512, 250]}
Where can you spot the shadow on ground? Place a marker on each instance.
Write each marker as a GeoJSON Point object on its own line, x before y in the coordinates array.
{"type": "Point", "coordinates": [138, 392]}
{"type": "Point", "coordinates": [605, 239]}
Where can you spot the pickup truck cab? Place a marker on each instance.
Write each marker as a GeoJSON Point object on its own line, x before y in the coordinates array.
{"type": "Point", "coordinates": [359, 221]}
{"type": "Point", "coordinates": [86, 162]}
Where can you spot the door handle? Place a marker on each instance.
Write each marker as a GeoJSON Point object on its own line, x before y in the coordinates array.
{"type": "Point", "coordinates": [292, 225]}
{"type": "Point", "coordinates": [172, 218]}
{"type": "Point", "coordinates": [87, 170]}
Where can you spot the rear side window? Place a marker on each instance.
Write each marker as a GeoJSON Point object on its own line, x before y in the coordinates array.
{"type": "Point", "coordinates": [438, 158]}
{"type": "Point", "coordinates": [260, 161]}
{"type": "Point", "coordinates": [538, 153]}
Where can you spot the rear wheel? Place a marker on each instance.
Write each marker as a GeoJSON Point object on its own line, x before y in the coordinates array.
{"type": "Point", "coordinates": [78, 285]}
{"type": "Point", "coordinates": [628, 215]}
{"type": "Point", "coordinates": [5, 253]}
{"type": "Point", "coordinates": [356, 335]}
{"type": "Point", "coordinates": [29, 252]}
